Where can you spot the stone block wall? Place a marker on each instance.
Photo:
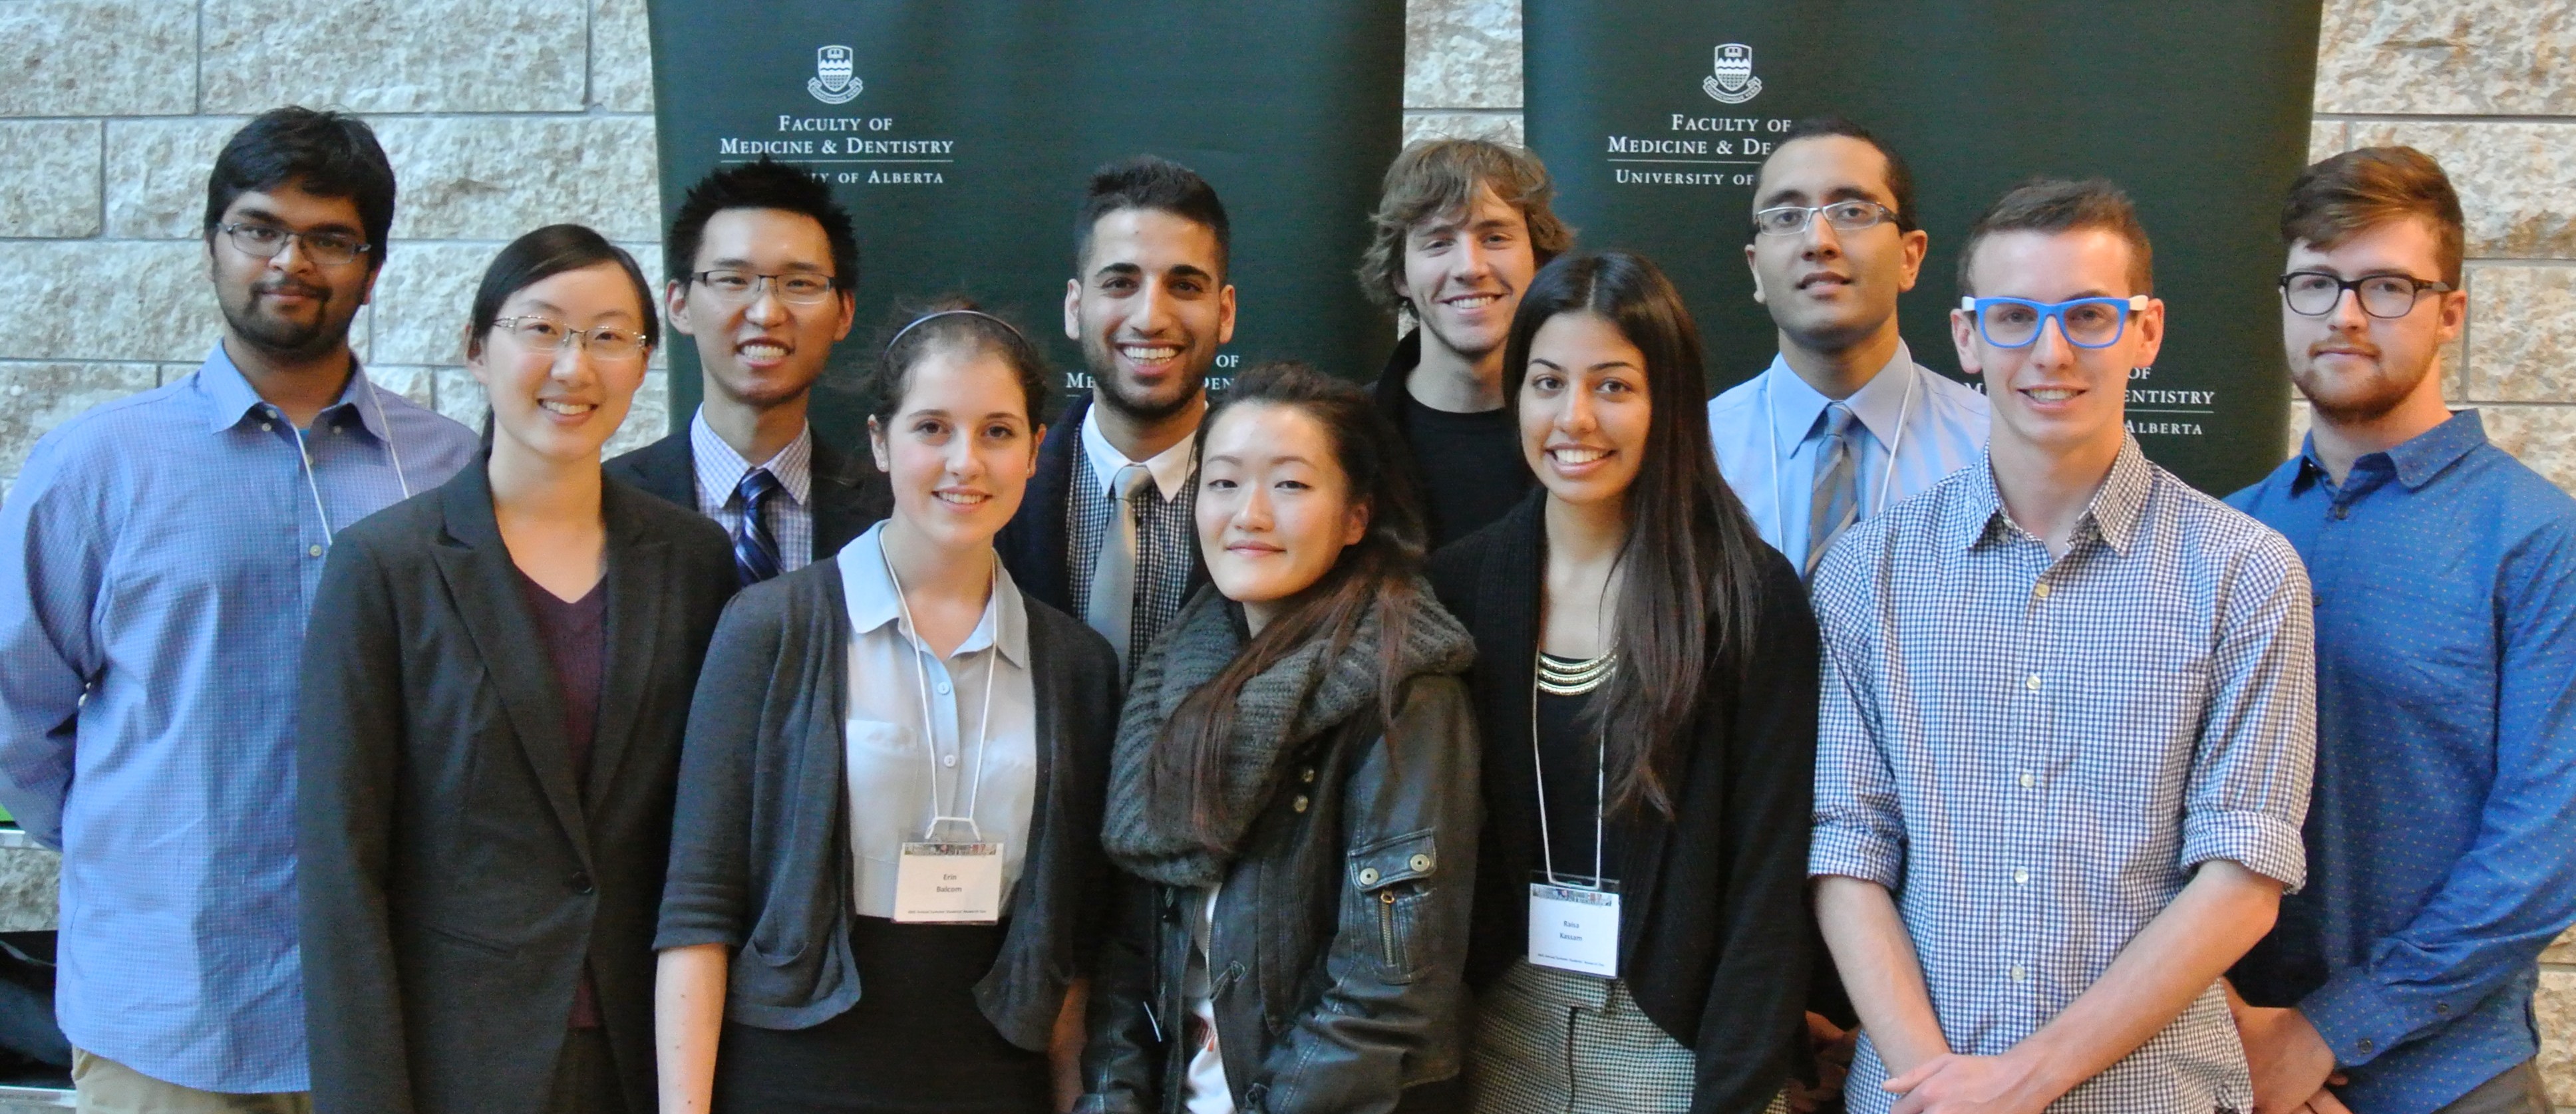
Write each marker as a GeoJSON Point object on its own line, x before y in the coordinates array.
{"type": "Point", "coordinates": [502, 115]}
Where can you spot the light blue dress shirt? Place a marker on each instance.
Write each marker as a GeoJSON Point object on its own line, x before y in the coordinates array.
{"type": "Point", "coordinates": [1769, 429]}
{"type": "Point", "coordinates": [163, 553]}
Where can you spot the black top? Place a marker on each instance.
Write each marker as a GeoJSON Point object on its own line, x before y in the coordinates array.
{"type": "Point", "coordinates": [460, 879]}
{"type": "Point", "coordinates": [1713, 913]}
{"type": "Point", "coordinates": [1468, 466]}
{"type": "Point", "coordinates": [1569, 754]}
{"type": "Point", "coordinates": [575, 636]}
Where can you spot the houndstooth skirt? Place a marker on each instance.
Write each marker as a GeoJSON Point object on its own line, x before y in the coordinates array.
{"type": "Point", "coordinates": [1554, 1042]}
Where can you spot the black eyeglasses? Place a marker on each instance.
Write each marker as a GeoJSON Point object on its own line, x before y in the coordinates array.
{"type": "Point", "coordinates": [264, 241]}
{"type": "Point", "coordinates": [2316, 293]}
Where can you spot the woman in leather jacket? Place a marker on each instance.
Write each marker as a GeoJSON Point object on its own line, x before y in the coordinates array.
{"type": "Point", "coordinates": [1293, 793]}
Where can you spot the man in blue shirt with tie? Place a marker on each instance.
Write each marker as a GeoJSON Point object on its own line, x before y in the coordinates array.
{"type": "Point", "coordinates": [2439, 861]}
{"type": "Point", "coordinates": [1844, 423]}
{"type": "Point", "coordinates": [164, 551]}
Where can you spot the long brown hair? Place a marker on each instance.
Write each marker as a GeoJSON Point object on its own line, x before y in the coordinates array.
{"type": "Point", "coordinates": [1691, 586]}
{"type": "Point", "coordinates": [1375, 575]}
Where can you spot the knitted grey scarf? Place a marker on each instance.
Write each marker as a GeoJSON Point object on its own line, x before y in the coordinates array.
{"type": "Point", "coordinates": [1298, 698]}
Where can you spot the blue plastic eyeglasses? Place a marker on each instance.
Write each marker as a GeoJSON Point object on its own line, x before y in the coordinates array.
{"type": "Point", "coordinates": [2084, 322]}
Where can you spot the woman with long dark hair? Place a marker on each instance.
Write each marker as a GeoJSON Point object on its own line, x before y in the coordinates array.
{"type": "Point", "coordinates": [491, 731]}
{"type": "Point", "coordinates": [1293, 794]}
{"type": "Point", "coordinates": [888, 869]}
{"type": "Point", "coordinates": [1646, 678]}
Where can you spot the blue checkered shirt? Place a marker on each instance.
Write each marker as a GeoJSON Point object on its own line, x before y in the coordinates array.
{"type": "Point", "coordinates": [163, 552]}
{"type": "Point", "coordinates": [2032, 753]}
{"type": "Point", "coordinates": [789, 513]}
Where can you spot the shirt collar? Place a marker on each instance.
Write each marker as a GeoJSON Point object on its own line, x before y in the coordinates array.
{"type": "Point", "coordinates": [1170, 468]}
{"type": "Point", "coordinates": [2419, 458]}
{"type": "Point", "coordinates": [720, 469]}
{"type": "Point", "coordinates": [873, 602]}
{"type": "Point", "coordinates": [234, 398]}
{"type": "Point", "coordinates": [2115, 512]}
{"type": "Point", "coordinates": [1880, 404]}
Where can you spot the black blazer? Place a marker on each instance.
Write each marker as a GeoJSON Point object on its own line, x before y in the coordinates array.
{"type": "Point", "coordinates": [1036, 544]}
{"type": "Point", "coordinates": [453, 875]}
{"type": "Point", "coordinates": [1714, 933]}
{"type": "Point", "coordinates": [849, 494]}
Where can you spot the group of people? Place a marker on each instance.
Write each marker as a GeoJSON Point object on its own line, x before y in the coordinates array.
{"type": "Point", "coordinates": [1961, 750]}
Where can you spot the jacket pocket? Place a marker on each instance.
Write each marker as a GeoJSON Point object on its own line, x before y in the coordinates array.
{"type": "Point", "coordinates": [469, 941]}
{"type": "Point", "coordinates": [1390, 879]}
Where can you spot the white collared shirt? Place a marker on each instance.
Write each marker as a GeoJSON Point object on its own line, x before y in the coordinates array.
{"type": "Point", "coordinates": [1170, 467]}
{"type": "Point", "coordinates": [891, 772]}
{"type": "Point", "coordinates": [1769, 429]}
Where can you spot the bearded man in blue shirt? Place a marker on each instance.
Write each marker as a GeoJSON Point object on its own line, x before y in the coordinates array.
{"type": "Point", "coordinates": [164, 551]}
{"type": "Point", "coordinates": [2445, 571]}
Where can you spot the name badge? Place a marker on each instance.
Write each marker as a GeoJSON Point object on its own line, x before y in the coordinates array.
{"type": "Point", "coordinates": [948, 883]}
{"type": "Point", "coordinates": [1573, 929]}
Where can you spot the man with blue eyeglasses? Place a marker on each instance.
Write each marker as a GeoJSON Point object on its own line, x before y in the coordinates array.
{"type": "Point", "coordinates": [2067, 721]}
{"type": "Point", "coordinates": [1844, 423]}
{"type": "Point", "coordinates": [2446, 653]}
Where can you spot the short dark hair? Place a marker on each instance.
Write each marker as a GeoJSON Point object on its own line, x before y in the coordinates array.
{"type": "Point", "coordinates": [326, 154]}
{"type": "Point", "coordinates": [1900, 177]}
{"type": "Point", "coordinates": [1157, 183]}
{"type": "Point", "coordinates": [2363, 189]}
{"type": "Point", "coordinates": [765, 184]}
{"type": "Point", "coordinates": [2054, 205]}
{"type": "Point", "coordinates": [912, 331]}
{"type": "Point", "coordinates": [543, 254]}
{"type": "Point", "coordinates": [1440, 176]}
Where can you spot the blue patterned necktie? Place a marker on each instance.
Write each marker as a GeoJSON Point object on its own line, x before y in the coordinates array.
{"type": "Point", "coordinates": [755, 551]}
{"type": "Point", "coordinates": [1835, 501]}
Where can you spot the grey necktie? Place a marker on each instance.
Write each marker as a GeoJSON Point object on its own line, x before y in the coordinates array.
{"type": "Point", "coordinates": [1835, 502]}
{"type": "Point", "coordinates": [1113, 577]}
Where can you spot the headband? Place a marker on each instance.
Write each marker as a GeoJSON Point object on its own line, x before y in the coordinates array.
{"type": "Point", "coordinates": [908, 326]}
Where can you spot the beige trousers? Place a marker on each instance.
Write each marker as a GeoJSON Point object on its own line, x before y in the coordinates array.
{"type": "Point", "coordinates": [108, 1087]}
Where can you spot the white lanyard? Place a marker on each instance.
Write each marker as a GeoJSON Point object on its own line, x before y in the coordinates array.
{"type": "Point", "coordinates": [1771, 424]}
{"type": "Point", "coordinates": [1600, 797]}
{"type": "Point", "coordinates": [306, 452]}
{"type": "Point", "coordinates": [929, 730]}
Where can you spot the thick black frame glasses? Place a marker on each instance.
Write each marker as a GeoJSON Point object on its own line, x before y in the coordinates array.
{"type": "Point", "coordinates": [2317, 293]}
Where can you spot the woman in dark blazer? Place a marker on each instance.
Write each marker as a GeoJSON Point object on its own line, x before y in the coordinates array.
{"type": "Point", "coordinates": [898, 694]}
{"type": "Point", "coordinates": [491, 726]}
{"type": "Point", "coordinates": [1646, 681]}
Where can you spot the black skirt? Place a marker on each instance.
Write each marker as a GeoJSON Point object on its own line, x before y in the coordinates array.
{"type": "Point", "coordinates": [915, 1043]}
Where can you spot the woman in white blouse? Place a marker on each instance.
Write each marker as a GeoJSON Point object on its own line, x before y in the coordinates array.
{"type": "Point", "coordinates": [886, 851]}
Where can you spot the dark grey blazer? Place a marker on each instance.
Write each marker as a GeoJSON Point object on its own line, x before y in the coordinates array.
{"type": "Point", "coordinates": [849, 494]}
{"type": "Point", "coordinates": [761, 863]}
{"type": "Point", "coordinates": [453, 874]}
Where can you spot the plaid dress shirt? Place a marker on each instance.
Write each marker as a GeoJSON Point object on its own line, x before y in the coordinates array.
{"type": "Point", "coordinates": [1166, 550]}
{"type": "Point", "coordinates": [790, 514]}
{"type": "Point", "coordinates": [2033, 753]}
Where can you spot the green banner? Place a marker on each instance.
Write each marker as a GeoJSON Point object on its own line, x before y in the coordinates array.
{"type": "Point", "coordinates": [961, 137]}
{"type": "Point", "coordinates": [1654, 115]}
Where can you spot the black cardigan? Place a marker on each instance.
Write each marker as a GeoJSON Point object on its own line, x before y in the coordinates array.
{"type": "Point", "coordinates": [760, 855]}
{"type": "Point", "coordinates": [1714, 936]}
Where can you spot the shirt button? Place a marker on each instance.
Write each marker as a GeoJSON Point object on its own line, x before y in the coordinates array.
{"type": "Point", "coordinates": [2441, 1009]}
{"type": "Point", "coordinates": [2342, 512]}
{"type": "Point", "coordinates": [2028, 781]}
{"type": "Point", "coordinates": [2033, 683]}
{"type": "Point", "coordinates": [2041, 591]}
{"type": "Point", "coordinates": [2367, 1046]}
{"type": "Point", "coordinates": [265, 427]}
{"type": "Point", "coordinates": [2021, 875]}
{"type": "Point", "coordinates": [948, 760]}
{"type": "Point", "coordinates": [313, 551]}
{"type": "Point", "coordinates": [942, 687]}
{"type": "Point", "coordinates": [1300, 803]}
{"type": "Point", "coordinates": [2017, 973]}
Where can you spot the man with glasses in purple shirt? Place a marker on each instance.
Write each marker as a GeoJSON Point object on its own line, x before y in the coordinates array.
{"type": "Point", "coordinates": [2446, 655]}
{"type": "Point", "coordinates": [164, 552]}
{"type": "Point", "coordinates": [2066, 721]}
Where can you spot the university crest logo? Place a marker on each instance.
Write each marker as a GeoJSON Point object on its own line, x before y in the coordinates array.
{"type": "Point", "coordinates": [834, 80]}
{"type": "Point", "coordinates": [1733, 83]}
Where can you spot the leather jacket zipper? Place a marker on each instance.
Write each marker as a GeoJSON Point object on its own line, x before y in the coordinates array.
{"type": "Point", "coordinates": [1386, 927]}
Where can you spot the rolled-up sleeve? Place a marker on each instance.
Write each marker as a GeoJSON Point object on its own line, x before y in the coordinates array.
{"type": "Point", "coordinates": [2251, 772]}
{"type": "Point", "coordinates": [1859, 821]}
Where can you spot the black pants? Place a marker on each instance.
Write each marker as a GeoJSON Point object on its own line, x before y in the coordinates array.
{"type": "Point", "coordinates": [914, 1044]}
{"type": "Point", "coordinates": [586, 1079]}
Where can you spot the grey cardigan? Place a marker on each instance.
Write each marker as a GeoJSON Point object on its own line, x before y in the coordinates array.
{"type": "Point", "coordinates": [760, 848]}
